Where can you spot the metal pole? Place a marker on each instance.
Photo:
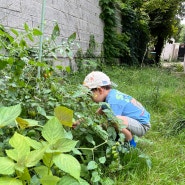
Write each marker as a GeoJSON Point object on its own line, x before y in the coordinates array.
{"type": "Point", "coordinates": [41, 37]}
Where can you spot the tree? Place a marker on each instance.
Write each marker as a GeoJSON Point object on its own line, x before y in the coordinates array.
{"type": "Point", "coordinates": [164, 21]}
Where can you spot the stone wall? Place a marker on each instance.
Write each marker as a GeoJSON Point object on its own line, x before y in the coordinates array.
{"type": "Point", "coordinates": [80, 16]}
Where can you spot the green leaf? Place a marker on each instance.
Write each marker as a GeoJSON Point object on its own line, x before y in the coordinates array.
{"type": "Point", "coordinates": [3, 64]}
{"type": "Point", "coordinates": [42, 171]}
{"type": "Point", "coordinates": [107, 181]}
{"type": "Point", "coordinates": [49, 180]}
{"type": "Point", "coordinates": [24, 176]}
{"type": "Point", "coordinates": [13, 154]}
{"type": "Point", "coordinates": [22, 43]}
{"type": "Point", "coordinates": [9, 114]}
{"type": "Point", "coordinates": [41, 111]}
{"type": "Point", "coordinates": [15, 32]}
{"type": "Point", "coordinates": [66, 180]}
{"type": "Point", "coordinates": [47, 159]}
{"type": "Point", "coordinates": [30, 37]}
{"type": "Point", "coordinates": [68, 164]}
{"type": "Point", "coordinates": [90, 139]}
{"type": "Point", "coordinates": [53, 130]}
{"type": "Point", "coordinates": [34, 157]}
{"type": "Point", "coordinates": [95, 176]}
{"type": "Point", "coordinates": [64, 115]}
{"type": "Point", "coordinates": [10, 181]}
{"type": "Point", "coordinates": [68, 69]}
{"type": "Point", "coordinates": [37, 32]}
{"type": "Point", "coordinates": [7, 166]}
{"type": "Point", "coordinates": [63, 145]}
{"type": "Point", "coordinates": [56, 32]}
{"type": "Point", "coordinates": [26, 27]}
{"type": "Point", "coordinates": [102, 160]}
{"type": "Point", "coordinates": [19, 143]}
{"type": "Point", "coordinates": [92, 165]}
{"type": "Point", "coordinates": [33, 143]}
{"type": "Point", "coordinates": [72, 37]}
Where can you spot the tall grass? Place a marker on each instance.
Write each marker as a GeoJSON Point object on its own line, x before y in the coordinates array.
{"type": "Point", "coordinates": [163, 94]}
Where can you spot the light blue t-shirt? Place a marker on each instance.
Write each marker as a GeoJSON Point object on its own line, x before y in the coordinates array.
{"type": "Point", "coordinates": [125, 105]}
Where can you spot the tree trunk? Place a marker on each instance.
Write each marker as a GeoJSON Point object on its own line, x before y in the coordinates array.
{"type": "Point", "coordinates": [184, 63]}
{"type": "Point", "coordinates": [158, 48]}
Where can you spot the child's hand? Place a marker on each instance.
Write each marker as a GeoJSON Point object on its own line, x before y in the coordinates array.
{"type": "Point", "coordinates": [76, 123]}
{"type": "Point", "coordinates": [100, 111]}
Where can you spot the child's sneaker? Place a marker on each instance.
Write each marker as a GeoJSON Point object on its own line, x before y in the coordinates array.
{"type": "Point", "coordinates": [132, 143]}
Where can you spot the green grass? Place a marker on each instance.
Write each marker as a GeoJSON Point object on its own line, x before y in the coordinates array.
{"type": "Point", "coordinates": [163, 94]}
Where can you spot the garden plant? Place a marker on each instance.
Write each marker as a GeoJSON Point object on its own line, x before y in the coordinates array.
{"type": "Point", "coordinates": [39, 144]}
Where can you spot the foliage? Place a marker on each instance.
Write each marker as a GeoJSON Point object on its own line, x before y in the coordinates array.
{"type": "Point", "coordinates": [164, 22]}
{"type": "Point", "coordinates": [38, 141]}
{"type": "Point", "coordinates": [88, 61]}
{"type": "Point", "coordinates": [143, 23]}
{"type": "Point", "coordinates": [115, 44]}
{"type": "Point", "coordinates": [131, 43]}
{"type": "Point", "coordinates": [40, 158]}
{"type": "Point", "coordinates": [135, 26]}
{"type": "Point", "coordinates": [181, 38]}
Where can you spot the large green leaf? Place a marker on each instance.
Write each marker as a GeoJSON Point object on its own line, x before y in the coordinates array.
{"type": "Point", "coordinates": [25, 175]}
{"type": "Point", "coordinates": [10, 181]}
{"type": "Point", "coordinates": [66, 180]}
{"type": "Point", "coordinates": [33, 143]}
{"type": "Point", "coordinates": [53, 130]}
{"type": "Point", "coordinates": [6, 166]}
{"type": "Point", "coordinates": [42, 171]}
{"type": "Point", "coordinates": [22, 154]}
{"type": "Point", "coordinates": [34, 157]}
{"type": "Point", "coordinates": [49, 180]}
{"type": "Point", "coordinates": [9, 114]}
{"type": "Point", "coordinates": [64, 115]}
{"type": "Point", "coordinates": [20, 144]}
{"type": "Point", "coordinates": [62, 145]}
{"type": "Point", "coordinates": [13, 154]}
{"type": "Point", "coordinates": [68, 164]}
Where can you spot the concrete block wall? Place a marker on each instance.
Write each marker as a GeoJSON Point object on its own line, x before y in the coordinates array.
{"type": "Point", "coordinates": [80, 16]}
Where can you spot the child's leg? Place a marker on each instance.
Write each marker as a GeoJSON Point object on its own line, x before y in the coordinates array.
{"type": "Point", "coordinates": [134, 126]}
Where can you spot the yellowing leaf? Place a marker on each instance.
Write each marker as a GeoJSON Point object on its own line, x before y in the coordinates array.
{"type": "Point", "coordinates": [64, 115]}
{"type": "Point", "coordinates": [25, 123]}
{"type": "Point", "coordinates": [22, 123]}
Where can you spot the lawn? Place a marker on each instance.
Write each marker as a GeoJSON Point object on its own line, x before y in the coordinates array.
{"type": "Point", "coordinates": [163, 94]}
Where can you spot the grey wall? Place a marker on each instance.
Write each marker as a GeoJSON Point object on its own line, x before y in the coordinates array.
{"type": "Point", "coordinates": [80, 16]}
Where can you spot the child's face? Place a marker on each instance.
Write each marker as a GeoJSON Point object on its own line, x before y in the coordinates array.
{"type": "Point", "coordinates": [98, 95]}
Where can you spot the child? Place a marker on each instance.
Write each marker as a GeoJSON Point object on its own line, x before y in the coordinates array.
{"type": "Point", "coordinates": [133, 115]}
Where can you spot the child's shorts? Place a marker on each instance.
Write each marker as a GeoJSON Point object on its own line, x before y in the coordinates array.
{"type": "Point", "coordinates": [137, 128]}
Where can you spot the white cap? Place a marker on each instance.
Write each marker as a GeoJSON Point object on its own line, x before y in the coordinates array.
{"type": "Point", "coordinates": [96, 79]}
